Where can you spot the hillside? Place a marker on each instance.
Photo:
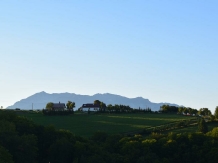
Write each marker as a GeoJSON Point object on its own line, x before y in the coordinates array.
{"type": "Point", "coordinates": [39, 100]}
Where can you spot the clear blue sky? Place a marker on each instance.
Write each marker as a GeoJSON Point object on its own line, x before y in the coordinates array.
{"type": "Point", "coordinates": [166, 51]}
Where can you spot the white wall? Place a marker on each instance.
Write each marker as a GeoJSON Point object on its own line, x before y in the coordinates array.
{"type": "Point", "coordinates": [91, 109]}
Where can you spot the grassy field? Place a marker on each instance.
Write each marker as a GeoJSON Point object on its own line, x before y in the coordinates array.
{"type": "Point", "coordinates": [86, 125]}
{"type": "Point", "coordinates": [194, 128]}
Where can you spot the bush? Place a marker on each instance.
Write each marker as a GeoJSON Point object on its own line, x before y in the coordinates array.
{"type": "Point", "coordinates": [202, 126]}
{"type": "Point", "coordinates": [52, 112]}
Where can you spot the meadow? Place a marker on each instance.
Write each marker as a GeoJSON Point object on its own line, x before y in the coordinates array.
{"type": "Point", "coordinates": [83, 124]}
{"type": "Point", "coordinates": [194, 128]}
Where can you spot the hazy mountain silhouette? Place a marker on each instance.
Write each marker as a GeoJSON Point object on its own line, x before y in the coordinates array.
{"type": "Point", "coordinates": [39, 100]}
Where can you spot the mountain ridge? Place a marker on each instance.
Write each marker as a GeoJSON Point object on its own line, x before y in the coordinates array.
{"type": "Point", "coordinates": [40, 99]}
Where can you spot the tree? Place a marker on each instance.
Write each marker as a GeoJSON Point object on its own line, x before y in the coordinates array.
{"type": "Point", "coordinates": [216, 113]}
{"type": "Point", "coordinates": [213, 133]}
{"type": "Point", "coordinates": [49, 106]}
{"type": "Point", "coordinates": [204, 111]}
{"type": "Point", "coordinates": [212, 118]}
{"type": "Point", "coordinates": [202, 126]}
{"type": "Point", "coordinates": [5, 156]}
{"type": "Point", "coordinates": [181, 110]}
{"type": "Point", "coordinates": [61, 151]}
{"type": "Point", "coordinates": [167, 108]}
{"type": "Point", "coordinates": [100, 104]}
{"type": "Point", "coordinates": [97, 102]}
{"type": "Point", "coordinates": [109, 107]}
{"type": "Point", "coordinates": [70, 105]}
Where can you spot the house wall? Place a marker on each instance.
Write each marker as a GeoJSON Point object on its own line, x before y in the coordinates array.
{"type": "Point", "coordinates": [90, 109]}
{"type": "Point", "coordinates": [58, 109]}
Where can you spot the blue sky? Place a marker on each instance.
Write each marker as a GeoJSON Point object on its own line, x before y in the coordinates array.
{"type": "Point", "coordinates": [165, 51]}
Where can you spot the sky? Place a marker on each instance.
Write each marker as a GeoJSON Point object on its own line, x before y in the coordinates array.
{"type": "Point", "coordinates": [161, 50]}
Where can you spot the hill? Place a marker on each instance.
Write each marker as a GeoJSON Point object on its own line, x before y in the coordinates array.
{"type": "Point", "coordinates": [39, 100]}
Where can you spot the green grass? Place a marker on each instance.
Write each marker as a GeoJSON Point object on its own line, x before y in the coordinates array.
{"type": "Point", "coordinates": [86, 125]}
{"type": "Point", "coordinates": [194, 128]}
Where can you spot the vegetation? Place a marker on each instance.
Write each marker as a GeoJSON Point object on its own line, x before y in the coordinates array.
{"type": "Point", "coordinates": [216, 112]}
{"type": "Point", "coordinates": [86, 125]}
{"type": "Point", "coordinates": [180, 110]}
{"type": "Point", "coordinates": [49, 106]}
{"type": "Point", "coordinates": [57, 113]}
{"type": "Point", "coordinates": [23, 141]}
{"type": "Point", "coordinates": [202, 126]}
{"type": "Point", "coordinates": [187, 110]}
{"type": "Point", "coordinates": [204, 112]}
{"type": "Point", "coordinates": [70, 105]}
{"type": "Point", "coordinates": [167, 109]}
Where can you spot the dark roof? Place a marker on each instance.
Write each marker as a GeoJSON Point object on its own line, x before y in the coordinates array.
{"type": "Point", "coordinates": [59, 105]}
{"type": "Point", "coordinates": [90, 106]}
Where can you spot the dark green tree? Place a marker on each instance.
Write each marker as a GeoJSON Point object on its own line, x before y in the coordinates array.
{"type": "Point", "coordinates": [204, 111]}
{"type": "Point", "coordinates": [216, 113]}
{"type": "Point", "coordinates": [61, 151]}
{"type": "Point", "coordinates": [202, 126]}
{"type": "Point", "coordinates": [97, 102]}
{"type": "Point", "coordinates": [102, 106]}
{"type": "Point", "coordinates": [5, 156]}
{"type": "Point", "coordinates": [109, 107]}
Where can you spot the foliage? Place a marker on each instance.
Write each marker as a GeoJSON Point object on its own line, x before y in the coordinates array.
{"type": "Point", "coordinates": [126, 109]}
{"type": "Point", "coordinates": [21, 140]}
{"type": "Point", "coordinates": [202, 126]}
{"type": "Point", "coordinates": [213, 133]}
{"type": "Point", "coordinates": [167, 108]}
{"type": "Point", "coordinates": [70, 105]}
{"type": "Point", "coordinates": [49, 106]}
{"type": "Point", "coordinates": [212, 118]}
{"type": "Point", "coordinates": [186, 110]}
{"type": "Point", "coordinates": [216, 113]}
{"type": "Point", "coordinates": [97, 102]}
{"type": "Point", "coordinates": [5, 156]}
{"type": "Point", "coordinates": [204, 112]}
{"type": "Point", "coordinates": [101, 104]}
{"type": "Point", "coordinates": [52, 112]}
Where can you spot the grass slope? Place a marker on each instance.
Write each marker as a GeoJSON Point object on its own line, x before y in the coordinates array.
{"type": "Point", "coordinates": [194, 128]}
{"type": "Point", "coordinates": [86, 125]}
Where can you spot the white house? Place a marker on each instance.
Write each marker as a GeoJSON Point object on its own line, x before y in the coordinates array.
{"type": "Point", "coordinates": [90, 107]}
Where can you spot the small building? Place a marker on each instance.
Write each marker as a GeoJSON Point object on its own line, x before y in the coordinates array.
{"type": "Point", "coordinates": [58, 106]}
{"type": "Point", "coordinates": [90, 107]}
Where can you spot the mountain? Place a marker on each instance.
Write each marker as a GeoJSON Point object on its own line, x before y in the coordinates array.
{"type": "Point", "coordinates": [39, 100]}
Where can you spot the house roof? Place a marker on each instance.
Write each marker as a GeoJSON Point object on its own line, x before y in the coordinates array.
{"type": "Point", "coordinates": [90, 106]}
{"type": "Point", "coordinates": [59, 105]}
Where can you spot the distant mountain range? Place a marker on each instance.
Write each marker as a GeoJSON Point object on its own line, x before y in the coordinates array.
{"type": "Point", "coordinates": [39, 100]}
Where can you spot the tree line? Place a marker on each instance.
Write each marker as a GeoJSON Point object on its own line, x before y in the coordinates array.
{"type": "Point", "coordinates": [127, 109]}
{"type": "Point", "coordinates": [185, 110]}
